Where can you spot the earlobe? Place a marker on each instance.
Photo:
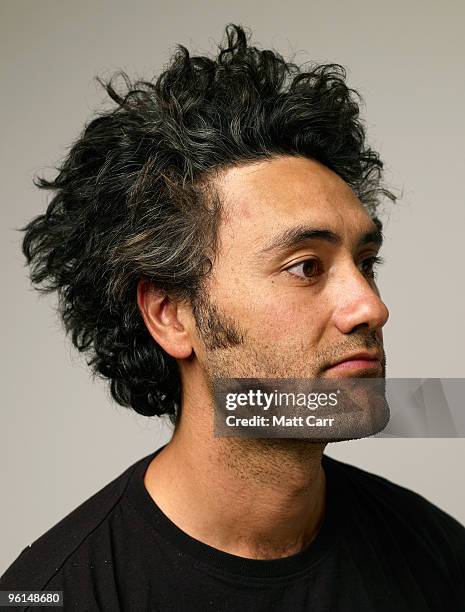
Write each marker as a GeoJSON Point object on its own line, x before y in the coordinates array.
{"type": "Point", "coordinates": [161, 317]}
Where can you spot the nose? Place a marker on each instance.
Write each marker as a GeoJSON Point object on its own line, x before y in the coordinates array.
{"type": "Point", "coordinates": [358, 303]}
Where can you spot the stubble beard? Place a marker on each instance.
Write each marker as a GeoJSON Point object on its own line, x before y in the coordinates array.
{"type": "Point", "coordinates": [231, 352]}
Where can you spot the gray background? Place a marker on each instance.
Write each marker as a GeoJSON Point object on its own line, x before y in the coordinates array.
{"type": "Point", "coordinates": [62, 438]}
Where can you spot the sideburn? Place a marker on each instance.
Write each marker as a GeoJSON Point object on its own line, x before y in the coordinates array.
{"type": "Point", "coordinates": [218, 331]}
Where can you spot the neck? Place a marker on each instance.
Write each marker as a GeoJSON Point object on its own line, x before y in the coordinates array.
{"type": "Point", "coordinates": [259, 498]}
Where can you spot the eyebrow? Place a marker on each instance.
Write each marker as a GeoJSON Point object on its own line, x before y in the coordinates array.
{"type": "Point", "coordinates": [295, 236]}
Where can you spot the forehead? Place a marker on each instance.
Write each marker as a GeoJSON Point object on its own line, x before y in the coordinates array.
{"type": "Point", "coordinates": [264, 197]}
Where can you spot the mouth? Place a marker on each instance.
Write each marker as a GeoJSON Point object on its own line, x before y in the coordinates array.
{"type": "Point", "coordinates": [358, 364]}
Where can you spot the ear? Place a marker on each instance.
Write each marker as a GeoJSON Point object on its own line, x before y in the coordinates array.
{"type": "Point", "coordinates": [162, 317]}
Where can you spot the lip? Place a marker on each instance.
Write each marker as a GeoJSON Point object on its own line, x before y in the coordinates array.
{"type": "Point", "coordinates": [362, 360]}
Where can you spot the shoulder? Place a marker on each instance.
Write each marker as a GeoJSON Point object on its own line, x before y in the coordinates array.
{"type": "Point", "coordinates": [39, 562]}
{"type": "Point", "coordinates": [393, 497]}
{"type": "Point", "coordinates": [404, 513]}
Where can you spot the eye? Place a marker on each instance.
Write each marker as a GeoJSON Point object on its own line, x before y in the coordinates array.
{"type": "Point", "coordinates": [309, 268]}
{"type": "Point", "coordinates": [368, 266]}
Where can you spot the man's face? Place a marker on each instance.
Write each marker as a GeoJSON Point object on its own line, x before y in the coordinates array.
{"type": "Point", "coordinates": [292, 308]}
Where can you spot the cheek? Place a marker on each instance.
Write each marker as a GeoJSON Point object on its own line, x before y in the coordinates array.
{"type": "Point", "coordinates": [287, 322]}
{"type": "Point", "coordinates": [275, 314]}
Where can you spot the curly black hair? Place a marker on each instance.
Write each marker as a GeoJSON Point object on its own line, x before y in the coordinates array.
{"type": "Point", "coordinates": [134, 197]}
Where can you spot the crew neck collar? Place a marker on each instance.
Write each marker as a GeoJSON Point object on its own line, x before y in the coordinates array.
{"type": "Point", "coordinates": [206, 555]}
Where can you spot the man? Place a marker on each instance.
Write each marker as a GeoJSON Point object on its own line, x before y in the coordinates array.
{"type": "Point", "coordinates": [221, 223]}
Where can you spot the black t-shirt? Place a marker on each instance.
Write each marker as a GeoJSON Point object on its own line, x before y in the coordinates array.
{"type": "Point", "coordinates": [381, 548]}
